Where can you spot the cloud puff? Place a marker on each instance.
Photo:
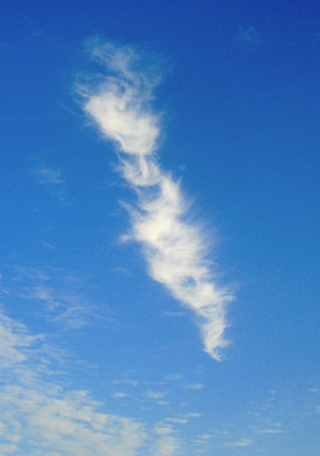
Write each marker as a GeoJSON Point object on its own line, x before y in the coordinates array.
{"type": "Point", "coordinates": [155, 395]}
{"type": "Point", "coordinates": [120, 104]}
{"type": "Point", "coordinates": [48, 175]}
{"type": "Point", "coordinates": [268, 431]}
{"type": "Point", "coordinates": [240, 443]}
{"type": "Point", "coordinates": [195, 386]}
{"type": "Point", "coordinates": [167, 445]}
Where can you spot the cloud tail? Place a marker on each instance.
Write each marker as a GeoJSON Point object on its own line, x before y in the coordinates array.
{"type": "Point", "coordinates": [120, 104]}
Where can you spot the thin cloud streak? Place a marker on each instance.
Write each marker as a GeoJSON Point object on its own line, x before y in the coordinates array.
{"type": "Point", "coordinates": [49, 176]}
{"type": "Point", "coordinates": [61, 294]}
{"type": "Point", "coordinates": [120, 104]}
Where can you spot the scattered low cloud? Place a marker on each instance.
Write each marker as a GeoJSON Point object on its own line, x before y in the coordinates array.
{"type": "Point", "coordinates": [245, 442]}
{"type": "Point", "coordinates": [163, 429]}
{"type": "Point", "coordinates": [35, 412]}
{"type": "Point", "coordinates": [119, 395]}
{"type": "Point", "coordinates": [205, 436]}
{"type": "Point", "coordinates": [192, 415]}
{"type": "Point", "coordinates": [194, 386]}
{"type": "Point", "coordinates": [69, 422]}
{"type": "Point", "coordinates": [40, 414]}
{"type": "Point", "coordinates": [314, 390]}
{"type": "Point", "coordinates": [127, 381]}
{"type": "Point", "coordinates": [174, 377]}
{"type": "Point", "coordinates": [268, 431]}
{"type": "Point", "coordinates": [124, 271]}
{"type": "Point", "coordinates": [62, 297]}
{"type": "Point", "coordinates": [175, 248]}
{"type": "Point", "coordinates": [48, 175]}
{"type": "Point", "coordinates": [177, 420]}
{"type": "Point", "coordinates": [51, 178]}
{"type": "Point", "coordinates": [49, 246]}
{"type": "Point", "coordinates": [168, 445]}
{"type": "Point", "coordinates": [155, 395]}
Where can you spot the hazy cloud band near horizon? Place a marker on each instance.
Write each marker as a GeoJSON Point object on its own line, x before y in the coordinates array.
{"type": "Point", "coordinates": [120, 104]}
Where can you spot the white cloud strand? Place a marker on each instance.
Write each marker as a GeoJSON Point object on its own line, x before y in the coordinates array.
{"type": "Point", "coordinates": [175, 249]}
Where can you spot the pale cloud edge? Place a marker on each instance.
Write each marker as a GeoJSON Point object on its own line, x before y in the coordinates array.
{"type": "Point", "coordinates": [120, 104]}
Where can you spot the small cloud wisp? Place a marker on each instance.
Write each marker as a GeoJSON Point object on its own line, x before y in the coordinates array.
{"type": "Point", "coordinates": [120, 104]}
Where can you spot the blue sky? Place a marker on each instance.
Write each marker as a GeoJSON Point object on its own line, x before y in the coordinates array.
{"type": "Point", "coordinates": [160, 228]}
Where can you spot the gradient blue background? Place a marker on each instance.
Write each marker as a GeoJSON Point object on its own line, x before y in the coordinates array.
{"type": "Point", "coordinates": [241, 106]}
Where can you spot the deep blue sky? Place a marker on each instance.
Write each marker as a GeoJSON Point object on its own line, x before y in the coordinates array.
{"type": "Point", "coordinates": [239, 103]}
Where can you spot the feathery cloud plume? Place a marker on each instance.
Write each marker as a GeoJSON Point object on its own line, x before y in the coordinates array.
{"type": "Point", "coordinates": [120, 104]}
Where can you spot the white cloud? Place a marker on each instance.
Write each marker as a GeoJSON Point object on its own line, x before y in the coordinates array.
{"type": "Point", "coordinates": [7, 448]}
{"type": "Point", "coordinates": [127, 381]}
{"type": "Point", "coordinates": [174, 377]}
{"type": "Point", "coordinates": [174, 248]}
{"type": "Point", "coordinates": [14, 342]}
{"type": "Point", "coordinates": [119, 395]}
{"type": "Point", "coordinates": [43, 417]}
{"type": "Point", "coordinates": [241, 443]}
{"type": "Point", "coordinates": [48, 175]}
{"type": "Point", "coordinates": [177, 420]}
{"type": "Point", "coordinates": [163, 429]}
{"type": "Point", "coordinates": [168, 445]}
{"type": "Point", "coordinates": [194, 386]}
{"type": "Point", "coordinates": [193, 415]}
{"type": "Point", "coordinates": [205, 436]}
{"type": "Point", "coordinates": [268, 431]}
{"type": "Point", "coordinates": [62, 295]}
{"type": "Point", "coordinates": [68, 422]}
{"type": "Point", "coordinates": [155, 395]}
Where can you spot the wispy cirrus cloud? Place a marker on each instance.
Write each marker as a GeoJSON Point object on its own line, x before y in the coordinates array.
{"type": "Point", "coordinates": [268, 431]}
{"type": "Point", "coordinates": [155, 394]}
{"type": "Point", "coordinates": [194, 386]}
{"type": "Point", "coordinates": [175, 249]}
{"type": "Point", "coordinates": [62, 296]}
{"type": "Point", "coordinates": [48, 175]}
{"type": "Point", "coordinates": [51, 177]}
{"type": "Point", "coordinates": [119, 395]}
{"type": "Point", "coordinates": [245, 442]}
